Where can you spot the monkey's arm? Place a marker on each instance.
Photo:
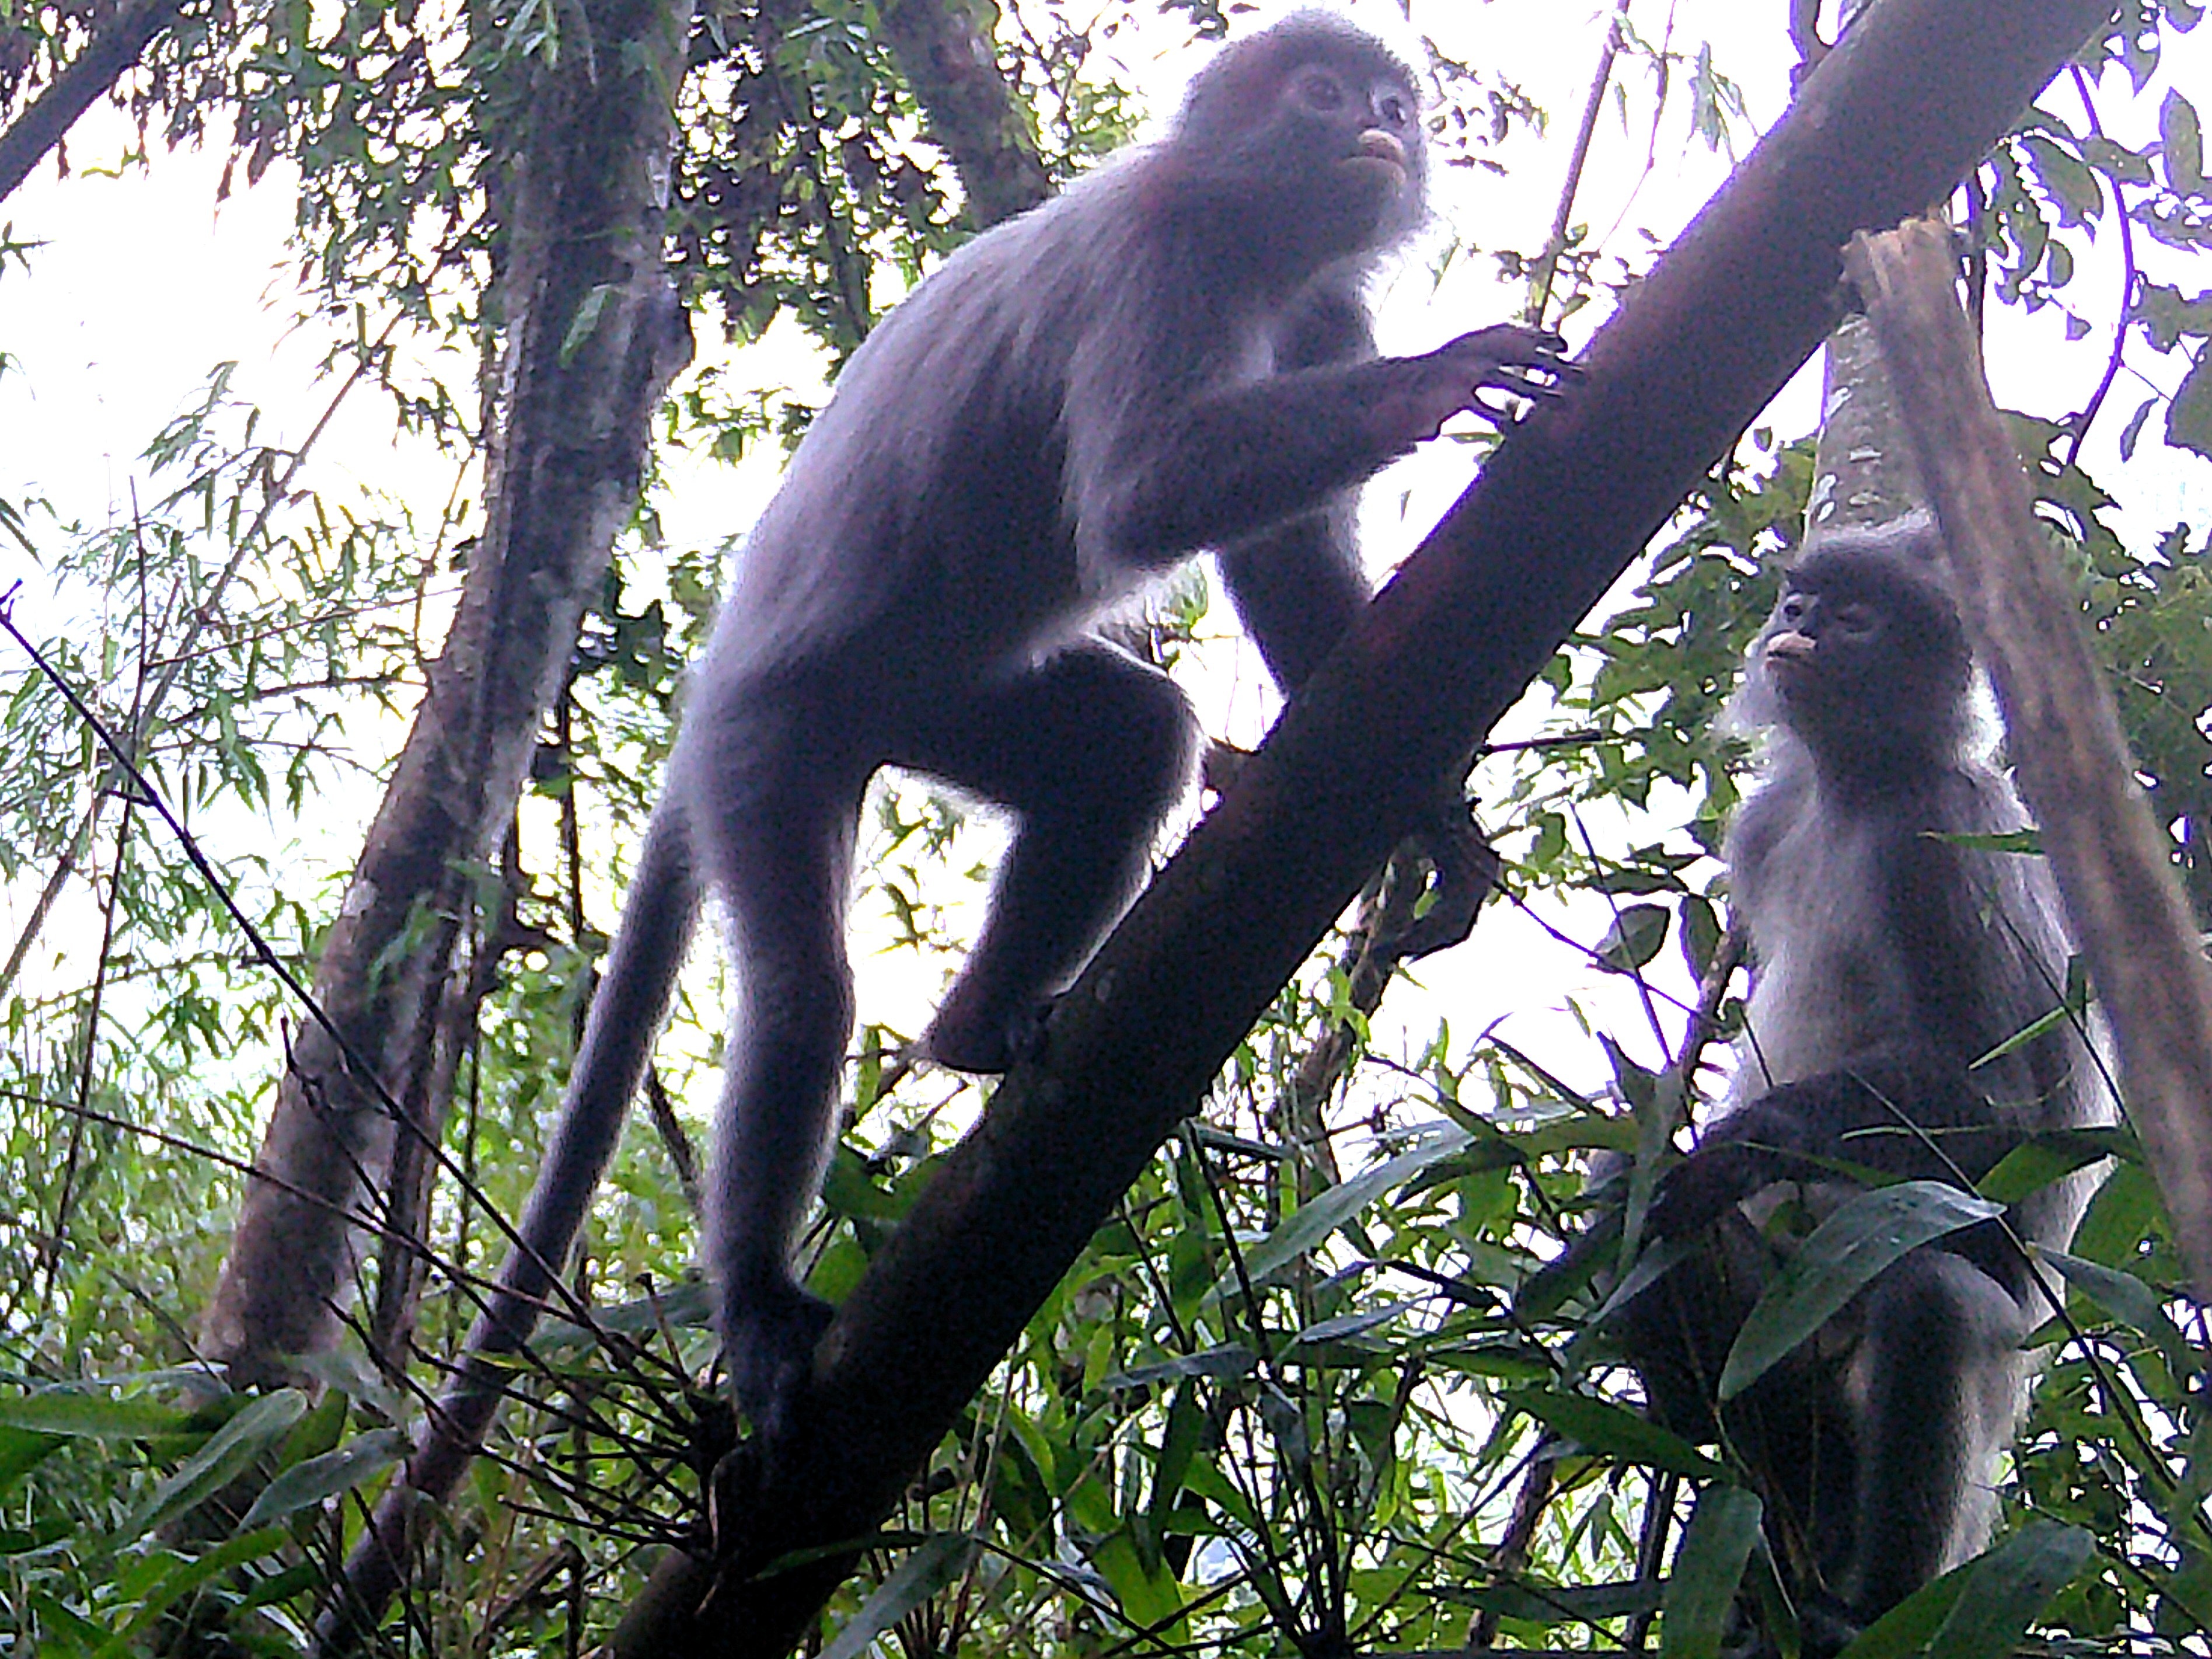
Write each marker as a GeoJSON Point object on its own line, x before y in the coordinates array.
{"type": "Point", "coordinates": [1913, 1117]}
{"type": "Point", "coordinates": [1167, 479]}
{"type": "Point", "coordinates": [1298, 587]}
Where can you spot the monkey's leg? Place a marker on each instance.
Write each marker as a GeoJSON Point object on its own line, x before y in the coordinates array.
{"type": "Point", "coordinates": [1942, 1374]}
{"type": "Point", "coordinates": [774, 818]}
{"type": "Point", "coordinates": [1791, 1432]}
{"type": "Point", "coordinates": [1091, 749]}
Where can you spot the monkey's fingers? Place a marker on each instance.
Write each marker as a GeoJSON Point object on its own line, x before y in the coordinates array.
{"type": "Point", "coordinates": [1523, 385]}
{"type": "Point", "coordinates": [1546, 351]}
{"type": "Point", "coordinates": [1499, 414]}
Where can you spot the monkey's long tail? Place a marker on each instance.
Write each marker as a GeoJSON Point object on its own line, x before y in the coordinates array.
{"type": "Point", "coordinates": [625, 1019]}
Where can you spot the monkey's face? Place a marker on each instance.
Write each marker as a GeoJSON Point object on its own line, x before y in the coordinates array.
{"type": "Point", "coordinates": [1863, 651]}
{"type": "Point", "coordinates": [1357, 137]}
{"type": "Point", "coordinates": [1363, 127]}
{"type": "Point", "coordinates": [1316, 120]}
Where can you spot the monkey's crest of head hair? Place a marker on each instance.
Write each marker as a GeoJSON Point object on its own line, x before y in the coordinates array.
{"type": "Point", "coordinates": [1239, 128]}
{"type": "Point", "coordinates": [1890, 670]}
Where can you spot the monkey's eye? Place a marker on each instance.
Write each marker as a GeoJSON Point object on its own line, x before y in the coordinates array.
{"type": "Point", "coordinates": [1793, 608]}
{"type": "Point", "coordinates": [1855, 619]}
{"type": "Point", "coordinates": [1320, 90]}
{"type": "Point", "coordinates": [1392, 107]}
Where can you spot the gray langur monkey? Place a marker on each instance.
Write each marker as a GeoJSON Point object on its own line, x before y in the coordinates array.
{"type": "Point", "coordinates": [1887, 963]}
{"type": "Point", "coordinates": [1173, 356]}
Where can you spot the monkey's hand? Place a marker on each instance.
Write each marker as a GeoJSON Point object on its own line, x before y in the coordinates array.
{"type": "Point", "coordinates": [1527, 363]}
{"type": "Point", "coordinates": [1765, 1142]}
{"type": "Point", "coordinates": [768, 1337]}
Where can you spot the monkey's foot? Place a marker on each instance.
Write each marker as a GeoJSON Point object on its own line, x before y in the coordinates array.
{"type": "Point", "coordinates": [987, 1042]}
{"type": "Point", "coordinates": [1825, 1626]}
{"type": "Point", "coordinates": [1463, 873]}
{"type": "Point", "coordinates": [768, 1341]}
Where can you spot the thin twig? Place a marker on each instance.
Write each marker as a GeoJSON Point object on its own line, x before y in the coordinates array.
{"type": "Point", "coordinates": [2077, 429]}
{"type": "Point", "coordinates": [1555, 243]}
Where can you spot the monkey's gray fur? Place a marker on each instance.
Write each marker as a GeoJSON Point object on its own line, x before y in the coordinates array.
{"type": "Point", "coordinates": [1886, 962]}
{"type": "Point", "coordinates": [1173, 356]}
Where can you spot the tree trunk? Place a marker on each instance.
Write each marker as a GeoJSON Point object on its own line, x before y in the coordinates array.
{"type": "Point", "coordinates": [1863, 472]}
{"type": "Point", "coordinates": [969, 111]}
{"type": "Point", "coordinates": [2114, 867]}
{"type": "Point", "coordinates": [593, 334]}
{"type": "Point", "coordinates": [1893, 115]}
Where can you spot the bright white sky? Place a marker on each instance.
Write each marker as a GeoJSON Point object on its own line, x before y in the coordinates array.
{"type": "Point", "coordinates": [143, 282]}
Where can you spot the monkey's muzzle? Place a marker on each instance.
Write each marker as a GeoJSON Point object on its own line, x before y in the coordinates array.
{"type": "Point", "coordinates": [1791, 648]}
{"type": "Point", "coordinates": [1385, 153]}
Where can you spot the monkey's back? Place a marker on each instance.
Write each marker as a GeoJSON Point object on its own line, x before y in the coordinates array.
{"type": "Point", "coordinates": [937, 495]}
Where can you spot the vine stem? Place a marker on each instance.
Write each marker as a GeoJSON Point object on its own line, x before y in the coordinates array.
{"type": "Point", "coordinates": [1555, 244]}
{"type": "Point", "coordinates": [2077, 429]}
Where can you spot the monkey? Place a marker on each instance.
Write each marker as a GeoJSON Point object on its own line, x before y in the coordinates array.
{"type": "Point", "coordinates": [1173, 356]}
{"type": "Point", "coordinates": [1889, 964]}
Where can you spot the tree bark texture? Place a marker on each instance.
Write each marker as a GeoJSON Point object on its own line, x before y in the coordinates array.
{"type": "Point", "coordinates": [943, 49]}
{"type": "Point", "coordinates": [2063, 731]}
{"type": "Point", "coordinates": [1863, 472]}
{"type": "Point", "coordinates": [1893, 115]}
{"type": "Point", "coordinates": [115, 45]}
{"type": "Point", "coordinates": [593, 333]}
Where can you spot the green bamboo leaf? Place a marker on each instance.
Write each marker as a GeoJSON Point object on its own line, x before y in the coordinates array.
{"type": "Point", "coordinates": [928, 1568]}
{"type": "Point", "coordinates": [2188, 417]}
{"type": "Point", "coordinates": [2036, 1163]}
{"type": "Point", "coordinates": [2128, 1299]}
{"type": "Point", "coordinates": [2007, 1586]}
{"type": "Point", "coordinates": [1694, 1610]}
{"type": "Point", "coordinates": [227, 1454]}
{"type": "Point", "coordinates": [586, 323]}
{"type": "Point", "coordinates": [1636, 936]}
{"type": "Point", "coordinates": [1904, 1630]}
{"type": "Point", "coordinates": [1312, 1224]}
{"type": "Point", "coordinates": [1186, 1428]}
{"type": "Point", "coordinates": [187, 1577]}
{"type": "Point", "coordinates": [2181, 145]}
{"type": "Point", "coordinates": [1611, 1430]}
{"type": "Point", "coordinates": [89, 1416]}
{"type": "Point", "coordinates": [1224, 1363]}
{"type": "Point", "coordinates": [1544, 1604]}
{"type": "Point", "coordinates": [318, 1479]}
{"type": "Point", "coordinates": [1841, 1258]}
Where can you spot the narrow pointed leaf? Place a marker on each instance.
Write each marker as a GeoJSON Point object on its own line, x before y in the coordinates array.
{"type": "Point", "coordinates": [1613, 1431]}
{"type": "Point", "coordinates": [2007, 1587]}
{"type": "Point", "coordinates": [928, 1568]}
{"type": "Point", "coordinates": [1842, 1257]}
{"type": "Point", "coordinates": [319, 1479]}
{"type": "Point", "coordinates": [227, 1454]}
{"type": "Point", "coordinates": [1694, 1610]}
{"type": "Point", "coordinates": [1313, 1223]}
